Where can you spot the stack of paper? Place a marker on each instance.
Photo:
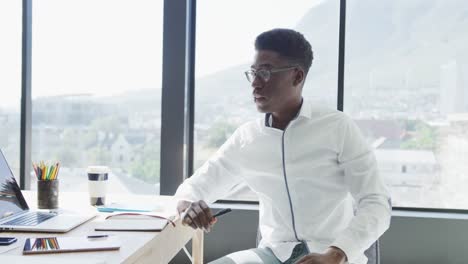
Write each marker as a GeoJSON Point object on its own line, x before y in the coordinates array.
{"type": "Point", "coordinates": [117, 207]}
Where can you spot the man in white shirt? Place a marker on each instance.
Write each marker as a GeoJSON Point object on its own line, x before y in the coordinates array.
{"type": "Point", "coordinates": [321, 199]}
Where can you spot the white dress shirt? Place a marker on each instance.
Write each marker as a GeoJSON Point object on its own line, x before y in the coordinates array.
{"type": "Point", "coordinates": [337, 195]}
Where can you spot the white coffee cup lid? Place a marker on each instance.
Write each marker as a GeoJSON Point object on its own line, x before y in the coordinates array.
{"type": "Point", "coordinates": [97, 169]}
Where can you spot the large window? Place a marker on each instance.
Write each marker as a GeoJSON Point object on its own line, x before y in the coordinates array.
{"type": "Point", "coordinates": [225, 50]}
{"type": "Point", "coordinates": [406, 86]}
{"type": "Point", "coordinates": [10, 82]}
{"type": "Point", "coordinates": [96, 90]}
{"type": "Point", "coordinates": [96, 86]}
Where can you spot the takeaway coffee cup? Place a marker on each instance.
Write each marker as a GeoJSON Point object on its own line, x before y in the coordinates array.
{"type": "Point", "coordinates": [97, 184]}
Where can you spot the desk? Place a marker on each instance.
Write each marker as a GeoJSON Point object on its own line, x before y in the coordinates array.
{"type": "Point", "coordinates": [137, 247]}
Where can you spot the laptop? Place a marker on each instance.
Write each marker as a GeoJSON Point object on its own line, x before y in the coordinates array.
{"type": "Point", "coordinates": [16, 216]}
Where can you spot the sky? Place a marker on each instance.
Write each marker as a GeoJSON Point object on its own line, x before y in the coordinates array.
{"type": "Point", "coordinates": [107, 47]}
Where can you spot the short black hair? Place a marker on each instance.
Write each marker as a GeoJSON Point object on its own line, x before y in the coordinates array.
{"type": "Point", "coordinates": [287, 43]}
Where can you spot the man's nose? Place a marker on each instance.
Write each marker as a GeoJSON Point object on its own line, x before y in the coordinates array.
{"type": "Point", "coordinates": [257, 82]}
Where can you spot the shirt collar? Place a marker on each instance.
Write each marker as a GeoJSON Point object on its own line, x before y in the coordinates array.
{"type": "Point", "coordinates": [304, 111]}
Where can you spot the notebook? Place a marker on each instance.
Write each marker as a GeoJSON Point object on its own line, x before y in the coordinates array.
{"type": "Point", "coordinates": [16, 216]}
{"type": "Point", "coordinates": [132, 222]}
{"type": "Point", "coordinates": [38, 259]}
{"type": "Point", "coordinates": [43, 245]}
{"type": "Point", "coordinates": [118, 207]}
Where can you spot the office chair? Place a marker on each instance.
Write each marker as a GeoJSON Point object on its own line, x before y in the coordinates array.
{"type": "Point", "coordinates": [372, 253]}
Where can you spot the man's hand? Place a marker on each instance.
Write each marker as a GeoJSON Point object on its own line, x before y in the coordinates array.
{"type": "Point", "coordinates": [196, 214]}
{"type": "Point", "coordinates": [333, 255]}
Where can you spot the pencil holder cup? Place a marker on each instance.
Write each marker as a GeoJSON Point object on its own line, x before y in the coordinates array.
{"type": "Point", "coordinates": [47, 194]}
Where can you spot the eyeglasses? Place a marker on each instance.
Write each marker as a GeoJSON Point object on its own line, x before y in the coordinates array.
{"type": "Point", "coordinates": [265, 74]}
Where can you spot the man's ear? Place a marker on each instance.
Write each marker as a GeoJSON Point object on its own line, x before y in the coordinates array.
{"type": "Point", "coordinates": [298, 77]}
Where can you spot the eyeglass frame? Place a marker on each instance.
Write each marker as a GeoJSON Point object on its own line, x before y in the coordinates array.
{"type": "Point", "coordinates": [269, 71]}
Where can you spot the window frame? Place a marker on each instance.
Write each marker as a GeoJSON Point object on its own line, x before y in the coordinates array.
{"type": "Point", "coordinates": [178, 96]}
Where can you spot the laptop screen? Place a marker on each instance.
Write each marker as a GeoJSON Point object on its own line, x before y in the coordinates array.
{"type": "Point", "coordinates": [11, 198]}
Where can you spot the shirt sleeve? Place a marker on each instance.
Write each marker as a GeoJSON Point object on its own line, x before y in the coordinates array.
{"type": "Point", "coordinates": [373, 212]}
{"type": "Point", "coordinates": [217, 176]}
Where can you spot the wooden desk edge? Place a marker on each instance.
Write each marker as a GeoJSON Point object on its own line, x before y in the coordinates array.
{"type": "Point", "coordinates": [179, 235]}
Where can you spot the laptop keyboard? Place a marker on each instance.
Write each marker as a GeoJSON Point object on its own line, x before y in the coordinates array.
{"type": "Point", "coordinates": [31, 219]}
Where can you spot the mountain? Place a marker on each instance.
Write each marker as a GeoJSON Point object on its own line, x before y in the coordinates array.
{"type": "Point", "coordinates": [397, 47]}
{"type": "Point", "coordinates": [391, 45]}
